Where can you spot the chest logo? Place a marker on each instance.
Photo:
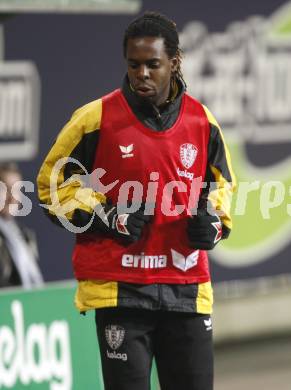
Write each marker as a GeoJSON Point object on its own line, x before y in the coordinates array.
{"type": "Point", "coordinates": [184, 263]}
{"type": "Point", "coordinates": [188, 154]}
{"type": "Point", "coordinates": [126, 151]}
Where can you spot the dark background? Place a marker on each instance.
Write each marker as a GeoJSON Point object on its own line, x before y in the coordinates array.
{"type": "Point", "coordinates": [79, 58]}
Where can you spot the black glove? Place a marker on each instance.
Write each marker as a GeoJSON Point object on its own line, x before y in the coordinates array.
{"type": "Point", "coordinates": [204, 230]}
{"type": "Point", "coordinates": [127, 226]}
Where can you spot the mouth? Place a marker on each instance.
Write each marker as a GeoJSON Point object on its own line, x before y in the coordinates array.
{"type": "Point", "coordinates": [144, 91]}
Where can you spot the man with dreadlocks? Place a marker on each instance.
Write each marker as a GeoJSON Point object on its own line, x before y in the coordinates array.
{"type": "Point", "coordinates": [142, 263]}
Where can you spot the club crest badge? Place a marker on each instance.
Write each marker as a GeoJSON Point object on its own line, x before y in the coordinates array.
{"type": "Point", "coordinates": [188, 154]}
{"type": "Point", "coordinates": [114, 335]}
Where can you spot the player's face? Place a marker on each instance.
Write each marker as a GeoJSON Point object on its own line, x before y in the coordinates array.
{"type": "Point", "coordinates": [149, 68]}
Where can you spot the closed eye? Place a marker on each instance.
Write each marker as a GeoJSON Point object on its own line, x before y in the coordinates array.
{"type": "Point", "coordinates": [153, 64]}
{"type": "Point", "coordinates": [133, 65]}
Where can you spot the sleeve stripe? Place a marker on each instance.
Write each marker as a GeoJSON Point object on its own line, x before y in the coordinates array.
{"type": "Point", "coordinates": [221, 197]}
{"type": "Point", "coordinates": [85, 120]}
{"type": "Point", "coordinates": [213, 121]}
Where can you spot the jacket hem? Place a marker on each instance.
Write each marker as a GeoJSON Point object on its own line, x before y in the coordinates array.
{"type": "Point", "coordinates": [134, 304]}
{"type": "Point", "coordinates": [142, 280]}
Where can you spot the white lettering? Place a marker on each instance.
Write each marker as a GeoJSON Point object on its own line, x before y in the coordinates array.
{"type": "Point", "coordinates": [196, 186]}
{"type": "Point", "coordinates": [59, 355]}
{"type": "Point", "coordinates": [21, 199]}
{"type": "Point", "coordinates": [41, 354]}
{"type": "Point", "coordinates": [268, 200]}
{"type": "Point", "coordinates": [3, 195]}
{"type": "Point", "coordinates": [39, 370]}
{"type": "Point", "coordinates": [8, 370]}
{"type": "Point", "coordinates": [244, 189]}
{"type": "Point", "coordinates": [152, 193]}
{"type": "Point", "coordinates": [115, 355]}
{"type": "Point", "coordinates": [162, 261]}
{"type": "Point", "coordinates": [127, 260]}
{"type": "Point", "coordinates": [167, 199]}
{"type": "Point", "coordinates": [144, 261]}
{"type": "Point", "coordinates": [136, 189]}
{"type": "Point", "coordinates": [186, 174]}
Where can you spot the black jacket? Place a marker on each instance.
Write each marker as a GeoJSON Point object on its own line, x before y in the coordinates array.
{"type": "Point", "coordinates": [156, 118]}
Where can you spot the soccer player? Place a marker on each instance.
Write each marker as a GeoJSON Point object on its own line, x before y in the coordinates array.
{"type": "Point", "coordinates": [135, 169]}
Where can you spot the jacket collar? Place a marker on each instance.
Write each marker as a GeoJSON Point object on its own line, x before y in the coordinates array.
{"type": "Point", "coordinates": [147, 109]}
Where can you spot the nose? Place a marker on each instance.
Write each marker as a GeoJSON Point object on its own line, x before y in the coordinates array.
{"type": "Point", "coordinates": [143, 72]}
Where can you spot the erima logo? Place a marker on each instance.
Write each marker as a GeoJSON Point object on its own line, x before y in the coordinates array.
{"type": "Point", "coordinates": [126, 151]}
{"type": "Point", "coordinates": [184, 263]}
{"type": "Point", "coordinates": [208, 324]}
{"type": "Point", "coordinates": [186, 174]}
{"type": "Point", "coordinates": [143, 261]}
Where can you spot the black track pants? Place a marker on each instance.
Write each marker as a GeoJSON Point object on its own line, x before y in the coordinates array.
{"type": "Point", "coordinates": [180, 342]}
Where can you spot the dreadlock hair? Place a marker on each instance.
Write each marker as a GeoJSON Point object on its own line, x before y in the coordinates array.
{"type": "Point", "coordinates": [154, 24]}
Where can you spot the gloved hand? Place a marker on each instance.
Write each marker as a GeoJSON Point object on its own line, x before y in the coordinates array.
{"type": "Point", "coordinates": [125, 225]}
{"type": "Point", "coordinates": [204, 230]}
